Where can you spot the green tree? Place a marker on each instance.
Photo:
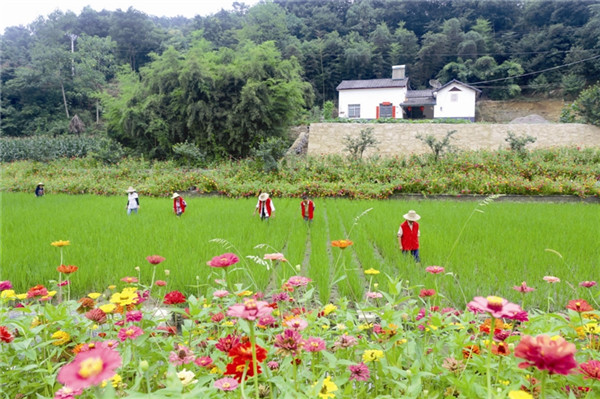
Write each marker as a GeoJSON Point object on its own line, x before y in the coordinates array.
{"type": "Point", "coordinates": [356, 146]}
{"type": "Point", "coordinates": [587, 106]}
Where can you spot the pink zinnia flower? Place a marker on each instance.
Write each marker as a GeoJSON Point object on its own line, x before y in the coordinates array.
{"type": "Point", "coordinates": [551, 279]}
{"type": "Point", "coordinates": [67, 393]}
{"type": "Point", "coordinates": [90, 368]}
{"type": "Point", "coordinates": [129, 280]}
{"type": "Point", "coordinates": [276, 256]}
{"type": "Point", "coordinates": [155, 259]}
{"type": "Point", "coordinates": [63, 283]}
{"type": "Point", "coordinates": [280, 297]}
{"type": "Point", "coordinates": [344, 341]}
{"type": "Point", "coordinates": [590, 369]}
{"type": "Point", "coordinates": [434, 269]}
{"type": "Point", "coordinates": [181, 355]}
{"type": "Point", "coordinates": [217, 317]}
{"type": "Point", "coordinates": [204, 361]}
{"type": "Point", "coordinates": [298, 281]}
{"type": "Point", "coordinates": [5, 285]}
{"type": "Point", "coordinates": [266, 321]}
{"type": "Point", "coordinates": [133, 316]}
{"type": "Point", "coordinates": [497, 307]}
{"type": "Point", "coordinates": [373, 295]}
{"type": "Point", "coordinates": [296, 323]}
{"type": "Point", "coordinates": [359, 372]}
{"type": "Point", "coordinates": [130, 332]}
{"type": "Point", "coordinates": [273, 365]}
{"type": "Point", "coordinates": [523, 288]}
{"type": "Point", "coordinates": [587, 284]}
{"type": "Point", "coordinates": [226, 384]}
{"type": "Point", "coordinates": [314, 344]}
{"type": "Point", "coordinates": [160, 283]}
{"type": "Point", "coordinates": [553, 354]}
{"type": "Point", "coordinates": [220, 293]}
{"type": "Point", "coordinates": [251, 309]}
{"type": "Point", "coordinates": [224, 260]}
{"type": "Point", "coordinates": [173, 298]}
{"type": "Point", "coordinates": [427, 293]}
{"type": "Point", "coordinates": [96, 315]}
{"type": "Point", "coordinates": [289, 343]}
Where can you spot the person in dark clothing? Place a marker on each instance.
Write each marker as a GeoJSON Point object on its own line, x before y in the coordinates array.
{"type": "Point", "coordinates": [39, 190]}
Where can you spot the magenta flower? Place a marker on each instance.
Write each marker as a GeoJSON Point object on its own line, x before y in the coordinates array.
{"type": "Point", "coordinates": [251, 309]}
{"type": "Point", "coordinates": [220, 293]}
{"type": "Point", "coordinates": [63, 283]}
{"type": "Point", "coordinates": [5, 285]}
{"type": "Point", "coordinates": [373, 295]}
{"type": "Point", "coordinates": [359, 372]}
{"type": "Point", "coordinates": [590, 369]}
{"type": "Point", "coordinates": [181, 355]}
{"type": "Point", "coordinates": [587, 284]}
{"type": "Point", "coordinates": [133, 316]}
{"type": "Point", "coordinates": [90, 368]}
{"type": "Point", "coordinates": [298, 281]}
{"type": "Point", "coordinates": [204, 361]}
{"type": "Point", "coordinates": [551, 279]}
{"type": "Point", "coordinates": [155, 259]}
{"type": "Point", "coordinates": [130, 332]}
{"type": "Point", "coordinates": [296, 323]}
{"type": "Point", "coordinates": [227, 343]}
{"type": "Point", "coordinates": [266, 321]}
{"type": "Point", "coordinates": [67, 393]}
{"type": "Point", "coordinates": [554, 354]}
{"type": "Point", "coordinates": [497, 307]}
{"type": "Point", "coordinates": [280, 297]}
{"type": "Point", "coordinates": [224, 260]}
{"type": "Point", "coordinates": [523, 288]}
{"type": "Point", "coordinates": [314, 344]}
{"type": "Point", "coordinates": [289, 343]}
{"type": "Point", "coordinates": [426, 293]}
{"type": "Point", "coordinates": [226, 384]}
{"type": "Point", "coordinates": [434, 269]}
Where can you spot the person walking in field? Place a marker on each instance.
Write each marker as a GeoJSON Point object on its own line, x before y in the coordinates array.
{"type": "Point", "coordinates": [408, 235]}
{"type": "Point", "coordinates": [308, 209]}
{"type": "Point", "coordinates": [133, 202]}
{"type": "Point", "coordinates": [265, 207]}
{"type": "Point", "coordinates": [179, 204]}
{"type": "Point", "coordinates": [39, 190]}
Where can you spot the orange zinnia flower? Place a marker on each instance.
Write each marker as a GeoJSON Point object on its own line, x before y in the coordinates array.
{"type": "Point", "coordinates": [501, 349]}
{"type": "Point", "coordinates": [341, 244]}
{"type": "Point", "coordinates": [469, 350]}
{"type": "Point", "coordinates": [67, 269]}
{"type": "Point", "coordinates": [579, 305]}
{"type": "Point", "coordinates": [60, 243]}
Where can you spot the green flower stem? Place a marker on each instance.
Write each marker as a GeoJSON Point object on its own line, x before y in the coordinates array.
{"type": "Point", "coordinates": [489, 359]}
{"type": "Point", "coordinates": [542, 386]}
{"type": "Point", "coordinates": [254, 361]}
{"type": "Point", "coordinates": [153, 275]}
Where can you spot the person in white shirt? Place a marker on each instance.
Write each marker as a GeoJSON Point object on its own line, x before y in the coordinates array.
{"type": "Point", "coordinates": [133, 202]}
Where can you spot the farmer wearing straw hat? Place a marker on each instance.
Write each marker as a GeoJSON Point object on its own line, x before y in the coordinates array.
{"type": "Point", "coordinates": [408, 235]}
{"type": "Point", "coordinates": [133, 202]}
{"type": "Point", "coordinates": [39, 190]}
{"type": "Point", "coordinates": [265, 207]}
{"type": "Point", "coordinates": [179, 204]}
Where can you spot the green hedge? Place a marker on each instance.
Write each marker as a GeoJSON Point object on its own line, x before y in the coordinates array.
{"type": "Point", "coordinates": [46, 148]}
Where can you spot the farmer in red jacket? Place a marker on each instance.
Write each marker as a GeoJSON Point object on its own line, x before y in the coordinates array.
{"type": "Point", "coordinates": [408, 235]}
{"type": "Point", "coordinates": [265, 207]}
{"type": "Point", "coordinates": [179, 204]}
{"type": "Point", "coordinates": [308, 208]}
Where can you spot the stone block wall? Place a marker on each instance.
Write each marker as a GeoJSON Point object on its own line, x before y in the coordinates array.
{"type": "Point", "coordinates": [400, 138]}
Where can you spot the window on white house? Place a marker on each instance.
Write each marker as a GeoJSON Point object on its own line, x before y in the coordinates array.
{"type": "Point", "coordinates": [385, 111]}
{"type": "Point", "coordinates": [454, 97]}
{"type": "Point", "coordinates": [353, 110]}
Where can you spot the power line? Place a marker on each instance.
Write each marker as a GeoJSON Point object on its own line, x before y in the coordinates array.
{"type": "Point", "coordinates": [536, 72]}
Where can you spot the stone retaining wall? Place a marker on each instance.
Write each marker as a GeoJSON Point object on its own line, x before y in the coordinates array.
{"type": "Point", "coordinates": [400, 138]}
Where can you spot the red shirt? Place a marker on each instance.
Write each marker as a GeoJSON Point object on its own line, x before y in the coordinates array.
{"type": "Point", "coordinates": [410, 237]}
{"type": "Point", "coordinates": [308, 209]}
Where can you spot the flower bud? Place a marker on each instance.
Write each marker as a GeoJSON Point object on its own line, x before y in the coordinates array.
{"type": "Point", "coordinates": [167, 272]}
{"type": "Point", "coordinates": [376, 285]}
{"type": "Point", "coordinates": [144, 365]}
{"type": "Point", "coordinates": [137, 268]}
{"type": "Point", "coordinates": [298, 268]}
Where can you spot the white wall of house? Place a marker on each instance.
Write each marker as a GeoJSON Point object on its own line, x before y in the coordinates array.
{"type": "Point", "coordinates": [455, 104]}
{"type": "Point", "coordinates": [369, 99]}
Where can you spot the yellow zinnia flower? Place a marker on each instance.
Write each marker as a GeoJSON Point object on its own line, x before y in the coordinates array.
{"type": "Point", "coordinates": [592, 328]}
{"type": "Point", "coordinates": [8, 294]}
{"type": "Point", "coordinates": [519, 395]}
{"type": "Point", "coordinates": [60, 243]}
{"type": "Point", "coordinates": [126, 297]}
{"type": "Point", "coordinates": [372, 355]}
{"type": "Point", "coordinates": [371, 271]}
{"type": "Point", "coordinates": [60, 338]}
{"type": "Point", "coordinates": [108, 308]}
{"type": "Point", "coordinates": [328, 386]}
{"type": "Point", "coordinates": [94, 295]}
{"type": "Point", "coordinates": [329, 308]}
{"type": "Point", "coordinates": [22, 296]}
{"type": "Point", "coordinates": [115, 381]}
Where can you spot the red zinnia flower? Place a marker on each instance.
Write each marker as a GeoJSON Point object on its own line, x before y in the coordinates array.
{"type": "Point", "coordinates": [5, 335]}
{"type": "Point", "coordinates": [553, 354]}
{"type": "Point", "coordinates": [227, 343]}
{"type": "Point", "coordinates": [244, 352]}
{"type": "Point", "coordinates": [426, 293]}
{"type": "Point", "coordinates": [155, 259]}
{"type": "Point", "coordinates": [173, 298]}
{"type": "Point", "coordinates": [238, 367]}
{"type": "Point", "coordinates": [38, 290]}
{"type": "Point", "coordinates": [67, 269]}
{"type": "Point", "coordinates": [90, 368]}
{"type": "Point", "coordinates": [224, 260]}
{"type": "Point", "coordinates": [579, 305]}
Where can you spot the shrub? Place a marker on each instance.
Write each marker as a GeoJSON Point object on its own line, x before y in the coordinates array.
{"type": "Point", "coordinates": [438, 147]}
{"type": "Point", "coordinates": [187, 154]}
{"type": "Point", "coordinates": [518, 144]}
{"type": "Point", "coordinates": [358, 145]}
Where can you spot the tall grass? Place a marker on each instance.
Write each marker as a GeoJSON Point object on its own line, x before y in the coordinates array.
{"type": "Point", "coordinates": [506, 244]}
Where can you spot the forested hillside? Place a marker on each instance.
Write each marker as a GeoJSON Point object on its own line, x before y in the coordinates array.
{"type": "Point", "coordinates": [226, 83]}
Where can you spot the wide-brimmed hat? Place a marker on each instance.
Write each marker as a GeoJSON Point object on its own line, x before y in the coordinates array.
{"type": "Point", "coordinates": [131, 190]}
{"type": "Point", "coordinates": [40, 184]}
{"type": "Point", "coordinates": [263, 197]}
{"type": "Point", "coordinates": [175, 195]}
{"type": "Point", "coordinates": [412, 216]}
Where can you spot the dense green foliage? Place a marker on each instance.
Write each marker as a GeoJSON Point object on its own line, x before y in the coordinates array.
{"type": "Point", "coordinates": [44, 148]}
{"type": "Point", "coordinates": [472, 241]}
{"type": "Point", "coordinates": [566, 171]}
{"type": "Point", "coordinates": [219, 82]}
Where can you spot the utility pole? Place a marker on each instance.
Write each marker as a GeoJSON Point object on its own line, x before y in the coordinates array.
{"type": "Point", "coordinates": [73, 37]}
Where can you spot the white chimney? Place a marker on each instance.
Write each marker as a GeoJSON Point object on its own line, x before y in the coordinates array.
{"type": "Point", "coordinates": [398, 71]}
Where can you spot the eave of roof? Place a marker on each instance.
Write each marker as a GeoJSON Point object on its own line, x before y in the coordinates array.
{"type": "Point", "coordinates": [372, 84]}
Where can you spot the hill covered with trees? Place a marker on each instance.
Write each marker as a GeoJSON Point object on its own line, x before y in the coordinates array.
{"type": "Point", "coordinates": [225, 83]}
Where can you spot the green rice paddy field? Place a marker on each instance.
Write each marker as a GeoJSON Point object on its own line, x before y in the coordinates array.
{"type": "Point", "coordinates": [485, 249]}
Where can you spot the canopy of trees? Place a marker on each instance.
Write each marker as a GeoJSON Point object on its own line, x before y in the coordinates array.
{"type": "Point", "coordinates": [228, 81]}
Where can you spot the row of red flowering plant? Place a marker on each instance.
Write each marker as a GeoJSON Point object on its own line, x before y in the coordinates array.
{"type": "Point", "coordinates": [284, 343]}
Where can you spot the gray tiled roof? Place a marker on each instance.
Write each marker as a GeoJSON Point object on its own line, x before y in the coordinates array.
{"type": "Point", "coordinates": [371, 84]}
{"type": "Point", "coordinates": [419, 97]}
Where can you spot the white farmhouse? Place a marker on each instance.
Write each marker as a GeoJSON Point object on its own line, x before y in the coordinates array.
{"type": "Point", "coordinates": [391, 98]}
